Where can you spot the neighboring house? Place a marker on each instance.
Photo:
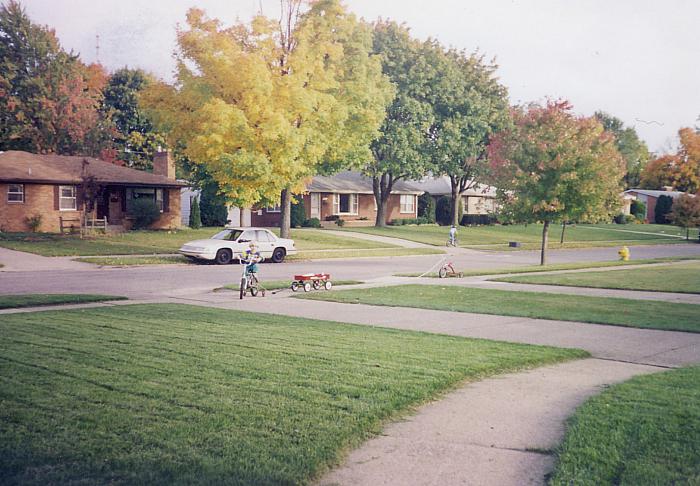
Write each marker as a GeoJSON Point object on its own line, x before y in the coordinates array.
{"type": "Point", "coordinates": [347, 195]}
{"type": "Point", "coordinates": [478, 200]}
{"type": "Point", "coordinates": [50, 186]}
{"type": "Point", "coordinates": [649, 198]}
{"type": "Point", "coordinates": [186, 196]}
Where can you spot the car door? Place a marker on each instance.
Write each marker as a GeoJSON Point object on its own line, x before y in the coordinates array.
{"type": "Point", "coordinates": [243, 241]}
{"type": "Point", "coordinates": [266, 242]}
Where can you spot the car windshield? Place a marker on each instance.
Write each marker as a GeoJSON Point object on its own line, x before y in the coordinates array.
{"type": "Point", "coordinates": [227, 235]}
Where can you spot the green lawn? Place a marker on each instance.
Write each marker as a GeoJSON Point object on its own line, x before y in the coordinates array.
{"type": "Point", "coordinates": [683, 278]}
{"type": "Point", "coordinates": [531, 235]}
{"type": "Point", "coordinates": [558, 266]}
{"type": "Point", "coordinates": [175, 394]}
{"type": "Point", "coordinates": [155, 242]}
{"type": "Point", "coordinates": [618, 312]}
{"type": "Point", "coordinates": [643, 432]}
{"type": "Point", "coordinates": [32, 300]}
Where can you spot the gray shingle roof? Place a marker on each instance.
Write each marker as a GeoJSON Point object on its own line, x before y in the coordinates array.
{"type": "Point", "coordinates": [351, 182]}
{"type": "Point", "coordinates": [652, 193]}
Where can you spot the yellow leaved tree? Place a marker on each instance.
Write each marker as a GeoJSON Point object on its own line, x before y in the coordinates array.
{"type": "Point", "coordinates": [266, 105]}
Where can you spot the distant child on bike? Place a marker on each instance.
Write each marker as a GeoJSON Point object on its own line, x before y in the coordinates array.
{"type": "Point", "coordinates": [453, 236]}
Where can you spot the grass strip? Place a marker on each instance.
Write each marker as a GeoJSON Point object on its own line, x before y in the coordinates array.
{"type": "Point", "coordinates": [559, 266]}
{"type": "Point", "coordinates": [643, 431]}
{"type": "Point", "coordinates": [177, 394]}
{"type": "Point", "coordinates": [671, 278]}
{"type": "Point", "coordinates": [284, 284]}
{"type": "Point", "coordinates": [120, 261]}
{"type": "Point", "coordinates": [35, 300]}
{"type": "Point", "coordinates": [600, 310]}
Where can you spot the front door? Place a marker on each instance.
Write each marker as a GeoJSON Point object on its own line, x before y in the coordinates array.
{"type": "Point", "coordinates": [315, 205]}
{"type": "Point", "coordinates": [102, 204]}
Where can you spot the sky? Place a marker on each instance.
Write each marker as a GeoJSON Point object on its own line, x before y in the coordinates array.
{"type": "Point", "coordinates": [638, 60]}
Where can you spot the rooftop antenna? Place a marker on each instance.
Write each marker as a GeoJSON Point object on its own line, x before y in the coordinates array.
{"type": "Point", "coordinates": [97, 48]}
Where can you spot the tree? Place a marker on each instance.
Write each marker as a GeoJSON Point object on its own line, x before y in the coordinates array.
{"type": "Point", "coordinates": [266, 105]}
{"type": "Point", "coordinates": [633, 150]}
{"type": "Point", "coordinates": [686, 213]}
{"type": "Point", "coordinates": [687, 173]}
{"type": "Point", "coordinates": [659, 173]}
{"type": "Point", "coordinates": [137, 139]}
{"type": "Point", "coordinates": [400, 151]}
{"type": "Point", "coordinates": [552, 166]}
{"type": "Point", "coordinates": [469, 106]}
{"type": "Point", "coordinates": [662, 209]}
{"type": "Point", "coordinates": [49, 100]}
{"type": "Point", "coordinates": [195, 215]}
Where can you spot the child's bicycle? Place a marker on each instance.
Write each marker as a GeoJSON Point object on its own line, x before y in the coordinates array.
{"type": "Point", "coordinates": [452, 242]}
{"type": "Point", "coordinates": [249, 278]}
{"type": "Point", "coordinates": [447, 270]}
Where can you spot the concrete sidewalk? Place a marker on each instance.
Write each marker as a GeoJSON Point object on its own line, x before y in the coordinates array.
{"type": "Point", "coordinates": [19, 261]}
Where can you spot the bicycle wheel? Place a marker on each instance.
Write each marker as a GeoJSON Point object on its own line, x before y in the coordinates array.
{"type": "Point", "coordinates": [244, 285]}
{"type": "Point", "coordinates": [442, 273]}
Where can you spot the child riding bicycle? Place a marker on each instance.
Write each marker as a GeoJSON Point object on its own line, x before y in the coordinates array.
{"type": "Point", "coordinates": [252, 257]}
{"type": "Point", "coordinates": [453, 236]}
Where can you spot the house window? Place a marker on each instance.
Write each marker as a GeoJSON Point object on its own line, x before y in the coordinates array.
{"type": "Point", "coordinates": [155, 195]}
{"type": "Point", "coordinates": [345, 204]}
{"type": "Point", "coordinates": [274, 209]}
{"type": "Point", "coordinates": [66, 198]}
{"type": "Point", "coordinates": [15, 193]}
{"type": "Point", "coordinates": [408, 203]}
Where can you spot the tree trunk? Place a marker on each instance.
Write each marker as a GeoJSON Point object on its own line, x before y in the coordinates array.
{"type": "Point", "coordinates": [545, 239]}
{"type": "Point", "coordinates": [454, 206]}
{"type": "Point", "coordinates": [687, 233]}
{"type": "Point", "coordinates": [381, 186]}
{"type": "Point", "coordinates": [286, 213]}
{"type": "Point", "coordinates": [563, 229]}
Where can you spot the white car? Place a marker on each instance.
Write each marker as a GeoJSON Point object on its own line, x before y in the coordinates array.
{"type": "Point", "coordinates": [226, 245]}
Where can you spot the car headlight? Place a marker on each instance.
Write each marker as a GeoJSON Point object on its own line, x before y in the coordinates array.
{"type": "Point", "coordinates": [193, 248]}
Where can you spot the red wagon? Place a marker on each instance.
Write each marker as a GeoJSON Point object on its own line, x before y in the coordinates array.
{"type": "Point", "coordinates": [308, 281]}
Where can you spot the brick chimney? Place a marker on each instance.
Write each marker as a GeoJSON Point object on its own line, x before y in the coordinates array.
{"type": "Point", "coordinates": [163, 164]}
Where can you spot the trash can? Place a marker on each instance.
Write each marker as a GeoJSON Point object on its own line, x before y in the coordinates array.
{"type": "Point", "coordinates": [514, 244]}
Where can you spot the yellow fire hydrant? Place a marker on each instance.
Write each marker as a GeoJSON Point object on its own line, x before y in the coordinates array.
{"type": "Point", "coordinates": [624, 253]}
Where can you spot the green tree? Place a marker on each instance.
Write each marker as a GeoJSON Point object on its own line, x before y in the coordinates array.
{"type": "Point", "coordinates": [137, 140]}
{"type": "Point", "coordinates": [469, 105]}
{"type": "Point", "coordinates": [49, 100]}
{"type": "Point", "coordinates": [663, 207]}
{"type": "Point", "coordinates": [633, 150]}
{"type": "Point", "coordinates": [401, 150]}
{"type": "Point", "coordinates": [195, 215]}
{"type": "Point", "coordinates": [266, 105]}
{"type": "Point", "coordinates": [552, 166]}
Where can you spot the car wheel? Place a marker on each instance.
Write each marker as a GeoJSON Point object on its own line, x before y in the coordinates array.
{"type": "Point", "coordinates": [224, 257]}
{"type": "Point", "coordinates": [278, 255]}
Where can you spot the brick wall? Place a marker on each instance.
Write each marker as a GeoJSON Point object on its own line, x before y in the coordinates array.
{"type": "Point", "coordinates": [38, 199]}
{"type": "Point", "coordinates": [264, 219]}
{"type": "Point", "coordinates": [172, 218]}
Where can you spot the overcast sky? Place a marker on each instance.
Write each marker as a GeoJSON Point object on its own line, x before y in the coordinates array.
{"type": "Point", "coordinates": [638, 60]}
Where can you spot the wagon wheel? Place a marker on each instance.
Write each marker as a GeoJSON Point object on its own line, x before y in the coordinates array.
{"type": "Point", "coordinates": [317, 284]}
{"type": "Point", "coordinates": [328, 285]}
{"type": "Point", "coordinates": [295, 286]}
{"type": "Point", "coordinates": [307, 287]}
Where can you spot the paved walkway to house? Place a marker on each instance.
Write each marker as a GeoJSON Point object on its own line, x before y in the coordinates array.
{"type": "Point", "coordinates": [383, 239]}
{"type": "Point", "coordinates": [19, 261]}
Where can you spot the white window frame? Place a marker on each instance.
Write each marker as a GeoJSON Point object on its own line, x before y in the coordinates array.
{"type": "Point", "coordinates": [277, 208]}
{"type": "Point", "coordinates": [62, 198]}
{"type": "Point", "coordinates": [353, 204]}
{"type": "Point", "coordinates": [19, 193]}
{"type": "Point", "coordinates": [157, 195]}
{"type": "Point", "coordinates": [407, 208]}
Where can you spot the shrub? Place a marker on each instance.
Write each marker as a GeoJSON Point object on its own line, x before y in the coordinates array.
{"type": "Point", "coordinates": [340, 222]}
{"type": "Point", "coordinates": [620, 219]}
{"type": "Point", "coordinates": [662, 209]}
{"type": "Point", "coordinates": [144, 213]}
{"type": "Point", "coordinates": [34, 222]}
{"type": "Point", "coordinates": [638, 208]}
{"type": "Point", "coordinates": [311, 223]}
{"type": "Point", "coordinates": [477, 219]}
{"type": "Point", "coordinates": [332, 217]}
{"type": "Point", "coordinates": [442, 210]}
{"type": "Point", "coordinates": [212, 207]}
{"type": "Point", "coordinates": [298, 214]}
{"type": "Point", "coordinates": [426, 207]}
{"type": "Point", "coordinates": [195, 215]}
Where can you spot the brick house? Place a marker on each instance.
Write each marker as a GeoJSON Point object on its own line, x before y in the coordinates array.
{"type": "Point", "coordinates": [649, 198]}
{"type": "Point", "coordinates": [477, 200]}
{"type": "Point", "coordinates": [347, 195]}
{"type": "Point", "coordinates": [50, 186]}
